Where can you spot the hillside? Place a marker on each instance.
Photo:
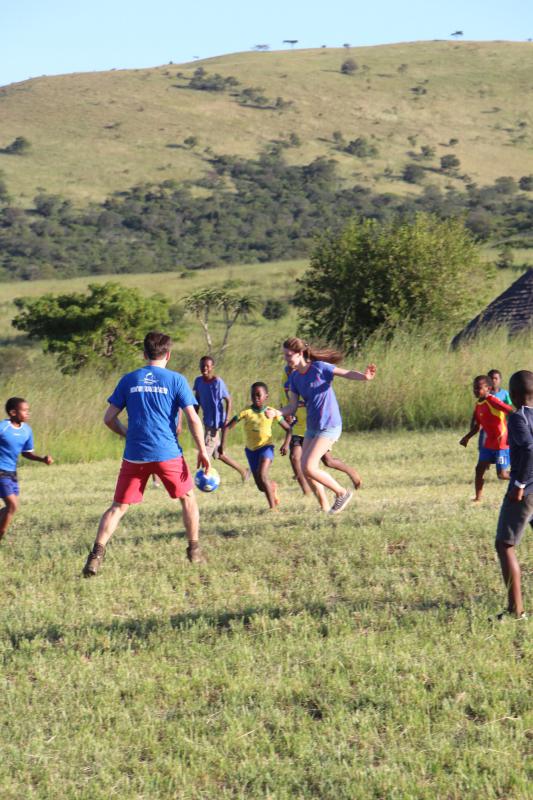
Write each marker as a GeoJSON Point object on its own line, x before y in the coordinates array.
{"type": "Point", "coordinates": [95, 133]}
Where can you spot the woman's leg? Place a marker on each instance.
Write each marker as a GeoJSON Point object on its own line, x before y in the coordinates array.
{"type": "Point", "coordinates": [314, 449]}
{"type": "Point", "coordinates": [332, 462]}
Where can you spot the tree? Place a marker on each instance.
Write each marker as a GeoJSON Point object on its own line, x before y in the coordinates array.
{"type": "Point", "coordinates": [349, 66]}
{"type": "Point", "coordinates": [526, 183]}
{"type": "Point", "coordinates": [261, 47]}
{"type": "Point", "coordinates": [292, 42]}
{"type": "Point", "coordinates": [413, 173]}
{"type": "Point", "coordinates": [190, 142]}
{"type": "Point", "coordinates": [18, 146]}
{"type": "Point", "coordinates": [204, 303]}
{"type": "Point", "coordinates": [449, 163]}
{"type": "Point", "coordinates": [456, 34]}
{"type": "Point", "coordinates": [103, 328]}
{"type": "Point", "coordinates": [376, 275]}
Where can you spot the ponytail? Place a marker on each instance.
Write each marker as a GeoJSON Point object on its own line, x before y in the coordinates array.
{"type": "Point", "coordinates": [311, 353]}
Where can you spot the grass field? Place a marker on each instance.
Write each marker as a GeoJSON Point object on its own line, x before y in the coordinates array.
{"type": "Point", "coordinates": [95, 133]}
{"type": "Point", "coordinates": [313, 657]}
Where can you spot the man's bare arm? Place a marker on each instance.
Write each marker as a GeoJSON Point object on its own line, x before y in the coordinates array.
{"type": "Point", "coordinates": [112, 421]}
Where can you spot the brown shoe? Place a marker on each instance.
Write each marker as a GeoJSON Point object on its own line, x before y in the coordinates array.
{"type": "Point", "coordinates": [194, 553]}
{"type": "Point", "coordinates": [94, 561]}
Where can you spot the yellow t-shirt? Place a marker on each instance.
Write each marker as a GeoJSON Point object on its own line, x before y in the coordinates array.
{"type": "Point", "coordinates": [299, 427]}
{"type": "Point", "coordinates": [257, 427]}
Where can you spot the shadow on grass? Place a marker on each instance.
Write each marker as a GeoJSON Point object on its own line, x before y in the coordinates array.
{"type": "Point", "coordinates": [121, 635]}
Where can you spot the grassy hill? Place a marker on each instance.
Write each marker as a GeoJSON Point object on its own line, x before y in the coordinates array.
{"type": "Point", "coordinates": [95, 133]}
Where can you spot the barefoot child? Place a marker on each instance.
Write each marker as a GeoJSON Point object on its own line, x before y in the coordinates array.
{"type": "Point", "coordinates": [490, 414]}
{"type": "Point", "coordinates": [311, 378]}
{"type": "Point", "coordinates": [298, 428]}
{"type": "Point", "coordinates": [259, 444]}
{"type": "Point", "coordinates": [215, 401]}
{"type": "Point", "coordinates": [16, 437]}
{"type": "Point", "coordinates": [517, 507]}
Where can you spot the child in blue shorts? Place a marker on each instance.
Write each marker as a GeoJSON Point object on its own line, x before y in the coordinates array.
{"type": "Point", "coordinates": [259, 448]}
{"type": "Point", "coordinates": [16, 437]}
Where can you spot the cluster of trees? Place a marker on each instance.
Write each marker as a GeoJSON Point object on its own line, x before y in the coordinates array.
{"type": "Point", "coordinates": [259, 210]}
{"type": "Point", "coordinates": [248, 96]}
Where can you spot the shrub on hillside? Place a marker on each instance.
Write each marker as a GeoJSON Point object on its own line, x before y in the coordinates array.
{"type": "Point", "coordinates": [275, 309]}
{"type": "Point", "coordinates": [374, 276]}
{"type": "Point", "coordinates": [18, 146]}
{"type": "Point", "coordinates": [449, 163]}
{"type": "Point", "coordinates": [361, 148]}
{"type": "Point", "coordinates": [413, 173]}
{"type": "Point", "coordinates": [526, 183]}
{"type": "Point", "coordinates": [349, 67]}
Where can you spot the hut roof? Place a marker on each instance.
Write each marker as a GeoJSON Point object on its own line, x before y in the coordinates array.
{"type": "Point", "coordinates": [512, 310]}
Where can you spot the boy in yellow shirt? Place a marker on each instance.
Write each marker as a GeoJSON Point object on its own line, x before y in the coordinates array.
{"type": "Point", "coordinates": [259, 448]}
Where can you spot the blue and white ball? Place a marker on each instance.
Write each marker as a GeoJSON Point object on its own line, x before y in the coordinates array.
{"type": "Point", "coordinates": [207, 481]}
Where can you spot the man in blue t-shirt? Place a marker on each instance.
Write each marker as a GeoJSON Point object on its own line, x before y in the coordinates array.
{"type": "Point", "coordinates": [213, 398]}
{"type": "Point", "coordinates": [152, 396]}
{"type": "Point", "coordinates": [16, 437]}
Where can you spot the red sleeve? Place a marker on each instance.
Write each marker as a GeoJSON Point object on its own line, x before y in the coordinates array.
{"type": "Point", "coordinates": [499, 404]}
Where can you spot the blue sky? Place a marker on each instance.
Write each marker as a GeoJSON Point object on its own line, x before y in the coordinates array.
{"type": "Point", "coordinates": [49, 37]}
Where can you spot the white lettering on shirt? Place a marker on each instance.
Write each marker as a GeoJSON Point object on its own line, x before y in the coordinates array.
{"type": "Point", "coordinates": [152, 389]}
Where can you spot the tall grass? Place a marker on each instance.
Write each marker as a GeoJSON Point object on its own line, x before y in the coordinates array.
{"type": "Point", "coordinates": [421, 384]}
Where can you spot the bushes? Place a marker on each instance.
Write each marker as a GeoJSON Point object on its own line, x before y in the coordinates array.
{"type": "Point", "coordinates": [374, 276]}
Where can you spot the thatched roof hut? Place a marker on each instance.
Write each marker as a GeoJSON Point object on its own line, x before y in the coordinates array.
{"type": "Point", "coordinates": [512, 310]}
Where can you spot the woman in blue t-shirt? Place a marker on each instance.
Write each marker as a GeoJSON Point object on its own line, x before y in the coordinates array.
{"type": "Point", "coordinates": [311, 378]}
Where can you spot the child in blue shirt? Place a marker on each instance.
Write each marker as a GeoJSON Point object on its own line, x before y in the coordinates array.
{"type": "Point", "coordinates": [214, 399]}
{"type": "Point", "coordinates": [16, 437]}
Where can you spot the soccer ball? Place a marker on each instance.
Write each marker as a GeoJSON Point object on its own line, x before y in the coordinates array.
{"type": "Point", "coordinates": [207, 482]}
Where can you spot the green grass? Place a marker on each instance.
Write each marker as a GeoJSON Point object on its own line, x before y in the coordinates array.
{"type": "Point", "coordinates": [311, 658]}
{"type": "Point", "coordinates": [95, 133]}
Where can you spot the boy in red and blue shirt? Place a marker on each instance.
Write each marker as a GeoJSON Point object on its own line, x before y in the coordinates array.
{"type": "Point", "coordinates": [490, 415]}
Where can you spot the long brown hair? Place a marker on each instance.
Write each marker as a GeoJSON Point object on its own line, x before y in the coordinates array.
{"type": "Point", "coordinates": [311, 353]}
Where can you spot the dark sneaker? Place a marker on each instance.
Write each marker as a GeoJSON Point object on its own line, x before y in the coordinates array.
{"type": "Point", "coordinates": [194, 553]}
{"type": "Point", "coordinates": [94, 561]}
{"type": "Point", "coordinates": [341, 502]}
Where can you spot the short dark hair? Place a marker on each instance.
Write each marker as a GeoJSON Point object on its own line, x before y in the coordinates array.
{"type": "Point", "coordinates": [259, 385]}
{"type": "Point", "coordinates": [521, 383]}
{"type": "Point", "coordinates": [13, 403]}
{"type": "Point", "coordinates": [156, 345]}
{"type": "Point", "coordinates": [482, 379]}
{"type": "Point", "coordinates": [204, 359]}
{"type": "Point", "coordinates": [493, 372]}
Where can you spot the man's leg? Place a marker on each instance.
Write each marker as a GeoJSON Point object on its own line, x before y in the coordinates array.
{"type": "Point", "coordinates": [479, 482]}
{"type": "Point", "coordinates": [8, 512]}
{"type": "Point", "coordinates": [191, 521]}
{"type": "Point", "coordinates": [329, 460]}
{"type": "Point", "coordinates": [511, 577]}
{"type": "Point", "coordinates": [108, 524]}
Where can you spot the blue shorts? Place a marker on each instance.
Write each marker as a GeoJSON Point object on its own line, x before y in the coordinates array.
{"type": "Point", "coordinates": [256, 456]}
{"type": "Point", "coordinates": [327, 433]}
{"type": "Point", "coordinates": [8, 486]}
{"type": "Point", "coordinates": [499, 457]}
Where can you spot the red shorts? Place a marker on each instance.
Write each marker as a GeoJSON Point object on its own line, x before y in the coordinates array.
{"type": "Point", "coordinates": [132, 479]}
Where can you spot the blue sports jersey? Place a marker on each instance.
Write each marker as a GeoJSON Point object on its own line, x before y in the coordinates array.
{"type": "Point", "coordinates": [14, 440]}
{"type": "Point", "coordinates": [211, 394]}
{"type": "Point", "coordinates": [503, 395]}
{"type": "Point", "coordinates": [314, 385]}
{"type": "Point", "coordinates": [152, 397]}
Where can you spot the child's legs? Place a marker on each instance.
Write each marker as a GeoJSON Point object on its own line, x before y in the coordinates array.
{"type": "Point", "coordinates": [511, 576]}
{"type": "Point", "coordinates": [479, 482]}
{"type": "Point", "coordinates": [231, 463]}
{"type": "Point", "coordinates": [329, 460]}
{"type": "Point", "coordinates": [269, 487]}
{"type": "Point", "coordinates": [512, 522]}
{"type": "Point", "coordinates": [313, 450]}
{"type": "Point", "coordinates": [11, 504]}
{"type": "Point", "coordinates": [295, 457]}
